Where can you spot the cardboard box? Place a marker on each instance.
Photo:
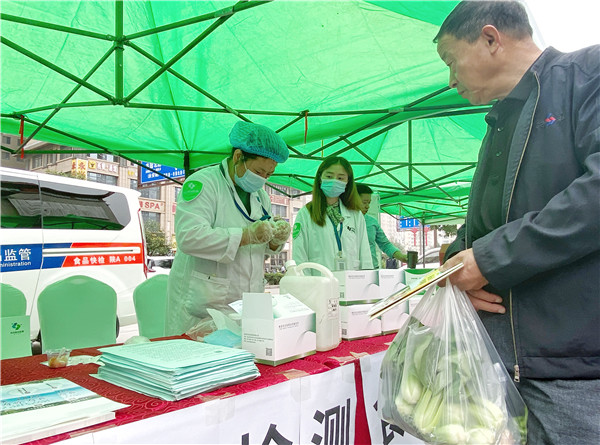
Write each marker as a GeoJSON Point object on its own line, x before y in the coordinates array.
{"type": "Point", "coordinates": [277, 328]}
{"type": "Point", "coordinates": [358, 286]}
{"type": "Point", "coordinates": [356, 323]}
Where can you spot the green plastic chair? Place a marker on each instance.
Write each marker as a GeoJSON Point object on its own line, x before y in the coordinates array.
{"type": "Point", "coordinates": [14, 323]}
{"type": "Point", "coordinates": [12, 301]}
{"type": "Point", "coordinates": [77, 312]}
{"type": "Point", "coordinates": [150, 301]}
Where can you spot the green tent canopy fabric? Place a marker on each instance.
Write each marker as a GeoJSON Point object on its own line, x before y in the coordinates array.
{"type": "Point", "coordinates": [165, 81]}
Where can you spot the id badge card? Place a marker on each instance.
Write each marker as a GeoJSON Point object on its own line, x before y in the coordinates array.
{"type": "Point", "coordinates": [340, 261]}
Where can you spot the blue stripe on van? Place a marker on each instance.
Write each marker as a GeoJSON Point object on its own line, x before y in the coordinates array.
{"type": "Point", "coordinates": [15, 257]}
{"type": "Point", "coordinates": [57, 261]}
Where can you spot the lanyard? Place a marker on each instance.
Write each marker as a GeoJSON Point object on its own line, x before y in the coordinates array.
{"type": "Point", "coordinates": [241, 210]}
{"type": "Point", "coordinates": [338, 236]}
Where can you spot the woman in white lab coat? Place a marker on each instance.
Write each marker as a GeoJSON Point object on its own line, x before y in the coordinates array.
{"type": "Point", "coordinates": [223, 229]}
{"type": "Point", "coordinates": [330, 230]}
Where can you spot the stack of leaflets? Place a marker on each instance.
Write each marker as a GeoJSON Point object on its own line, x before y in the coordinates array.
{"type": "Point", "coordinates": [34, 410]}
{"type": "Point", "coordinates": [175, 369]}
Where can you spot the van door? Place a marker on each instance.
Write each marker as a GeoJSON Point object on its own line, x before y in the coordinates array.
{"type": "Point", "coordinates": [21, 236]}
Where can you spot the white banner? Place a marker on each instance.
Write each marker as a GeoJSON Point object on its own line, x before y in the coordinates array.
{"type": "Point", "coordinates": [269, 415]}
{"type": "Point", "coordinates": [381, 431]}
{"type": "Point", "coordinates": [328, 407]}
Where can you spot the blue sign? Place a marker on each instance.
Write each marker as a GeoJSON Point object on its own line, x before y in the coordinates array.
{"type": "Point", "coordinates": [408, 223]}
{"type": "Point", "coordinates": [16, 257]}
{"type": "Point", "coordinates": [148, 176]}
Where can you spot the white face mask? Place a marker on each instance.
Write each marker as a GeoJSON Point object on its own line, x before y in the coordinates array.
{"type": "Point", "coordinates": [249, 182]}
{"type": "Point", "coordinates": [332, 188]}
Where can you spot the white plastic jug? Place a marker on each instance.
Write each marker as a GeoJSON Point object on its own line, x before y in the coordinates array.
{"type": "Point", "coordinates": [321, 294]}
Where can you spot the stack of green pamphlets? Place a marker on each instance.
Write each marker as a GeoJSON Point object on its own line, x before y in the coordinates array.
{"type": "Point", "coordinates": [175, 369]}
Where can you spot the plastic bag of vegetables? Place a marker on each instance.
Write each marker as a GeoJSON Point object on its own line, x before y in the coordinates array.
{"type": "Point", "coordinates": [443, 381]}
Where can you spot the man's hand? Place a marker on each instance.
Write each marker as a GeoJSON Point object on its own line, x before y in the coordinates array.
{"type": "Point", "coordinates": [470, 280]}
{"type": "Point", "coordinates": [486, 301]}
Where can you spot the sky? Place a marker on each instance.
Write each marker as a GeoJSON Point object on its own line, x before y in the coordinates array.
{"type": "Point", "coordinates": [566, 25]}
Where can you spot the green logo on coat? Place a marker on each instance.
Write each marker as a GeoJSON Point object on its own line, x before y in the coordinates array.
{"type": "Point", "coordinates": [296, 231]}
{"type": "Point", "coordinates": [191, 190]}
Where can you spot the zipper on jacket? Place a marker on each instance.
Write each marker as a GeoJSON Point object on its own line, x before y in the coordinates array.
{"type": "Point", "coordinates": [517, 377]}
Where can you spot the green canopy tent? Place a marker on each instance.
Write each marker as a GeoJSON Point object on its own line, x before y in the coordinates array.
{"type": "Point", "coordinates": [164, 82]}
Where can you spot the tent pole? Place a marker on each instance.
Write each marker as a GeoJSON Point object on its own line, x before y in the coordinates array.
{"type": "Point", "coordinates": [104, 149]}
{"type": "Point", "coordinates": [31, 22]}
{"type": "Point", "coordinates": [60, 106]}
{"type": "Point", "coordinates": [185, 80]}
{"type": "Point", "coordinates": [376, 164]}
{"type": "Point", "coordinates": [347, 135]}
{"type": "Point", "coordinates": [410, 151]}
{"type": "Point", "coordinates": [240, 6]}
{"type": "Point", "coordinates": [433, 181]}
{"type": "Point", "coordinates": [177, 57]}
{"type": "Point", "coordinates": [66, 99]}
{"type": "Point", "coordinates": [186, 163]}
{"type": "Point", "coordinates": [119, 51]}
{"type": "Point", "coordinates": [434, 184]}
{"type": "Point", "coordinates": [54, 67]}
{"type": "Point", "coordinates": [427, 97]}
{"type": "Point", "coordinates": [423, 240]}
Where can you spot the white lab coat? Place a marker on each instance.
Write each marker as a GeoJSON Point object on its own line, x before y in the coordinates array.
{"type": "Point", "coordinates": [210, 268]}
{"type": "Point", "coordinates": [318, 244]}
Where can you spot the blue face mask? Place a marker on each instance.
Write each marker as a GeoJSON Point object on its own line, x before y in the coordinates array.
{"type": "Point", "coordinates": [250, 182]}
{"type": "Point", "coordinates": [333, 187]}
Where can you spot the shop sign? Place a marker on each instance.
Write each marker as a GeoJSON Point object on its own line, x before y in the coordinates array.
{"type": "Point", "coordinates": [152, 206]}
{"type": "Point", "coordinates": [103, 166]}
{"type": "Point", "coordinates": [79, 166]}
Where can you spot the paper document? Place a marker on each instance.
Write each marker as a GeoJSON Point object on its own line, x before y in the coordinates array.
{"type": "Point", "coordinates": [42, 408]}
{"type": "Point", "coordinates": [429, 279]}
{"type": "Point", "coordinates": [175, 369]}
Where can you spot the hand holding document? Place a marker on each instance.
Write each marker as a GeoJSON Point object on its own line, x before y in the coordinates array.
{"type": "Point", "coordinates": [429, 279]}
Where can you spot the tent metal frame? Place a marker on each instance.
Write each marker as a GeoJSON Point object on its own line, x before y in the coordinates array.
{"type": "Point", "coordinates": [120, 41]}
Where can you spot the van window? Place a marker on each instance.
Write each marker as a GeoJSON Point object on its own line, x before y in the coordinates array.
{"type": "Point", "coordinates": [21, 205]}
{"type": "Point", "coordinates": [65, 207]}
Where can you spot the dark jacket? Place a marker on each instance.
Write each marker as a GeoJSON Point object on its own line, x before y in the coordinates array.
{"type": "Point", "coordinates": [545, 259]}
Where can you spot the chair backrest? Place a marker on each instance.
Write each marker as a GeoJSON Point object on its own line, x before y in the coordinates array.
{"type": "Point", "coordinates": [150, 301]}
{"type": "Point", "coordinates": [77, 312]}
{"type": "Point", "coordinates": [12, 301]}
{"type": "Point", "coordinates": [14, 337]}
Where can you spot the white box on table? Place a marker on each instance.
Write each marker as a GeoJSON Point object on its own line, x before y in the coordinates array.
{"type": "Point", "coordinates": [277, 328]}
{"type": "Point", "coordinates": [392, 319]}
{"type": "Point", "coordinates": [390, 282]}
{"type": "Point", "coordinates": [412, 278]}
{"type": "Point", "coordinates": [358, 286]}
{"type": "Point", "coordinates": [356, 323]}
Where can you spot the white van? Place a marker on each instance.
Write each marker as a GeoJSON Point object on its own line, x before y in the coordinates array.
{"type": "Point", "coordinates": [55, 227]}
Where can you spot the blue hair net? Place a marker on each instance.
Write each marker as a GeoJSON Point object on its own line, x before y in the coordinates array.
{"type": "Point", "coordinates": [258, 140]}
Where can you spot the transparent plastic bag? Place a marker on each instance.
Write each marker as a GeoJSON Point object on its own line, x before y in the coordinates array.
{"type": "Point", "coordinates": [442, 380]}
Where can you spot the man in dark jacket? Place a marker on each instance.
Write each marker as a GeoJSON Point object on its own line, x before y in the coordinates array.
{"type": "Point", "coordinates": [531, 241]}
